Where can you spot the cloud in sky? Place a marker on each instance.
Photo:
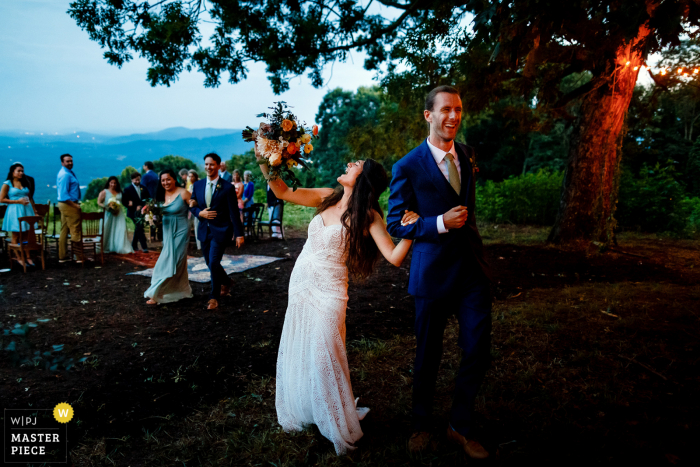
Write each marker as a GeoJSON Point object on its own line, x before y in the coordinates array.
{"type": "Point", "coordinates": [54, 79]}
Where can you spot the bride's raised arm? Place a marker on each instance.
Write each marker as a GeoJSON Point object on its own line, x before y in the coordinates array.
{"type": "Point", "coordinates": [311, 197]}
{"type": "Point", "coordinates": [395, 254]}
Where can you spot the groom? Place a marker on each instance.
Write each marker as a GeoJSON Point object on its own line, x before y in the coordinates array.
{"type": "Point", "coordinates": [218, 221]}
{"type": "Point", "coordinates": [448, 272]}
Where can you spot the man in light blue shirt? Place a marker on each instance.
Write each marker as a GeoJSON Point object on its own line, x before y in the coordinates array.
{"type": "Point", "coordinates": [68, 203]}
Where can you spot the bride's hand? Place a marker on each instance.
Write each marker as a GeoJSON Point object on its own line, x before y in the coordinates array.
{"type": "Point", "coordinates": [409, 218]}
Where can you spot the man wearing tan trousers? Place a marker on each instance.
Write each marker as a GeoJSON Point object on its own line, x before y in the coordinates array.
{"type": "Point", "coordinates": [68, 203]}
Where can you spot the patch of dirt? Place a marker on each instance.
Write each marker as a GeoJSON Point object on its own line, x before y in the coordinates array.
{"type": "Point", "coordinates": [145, 363]}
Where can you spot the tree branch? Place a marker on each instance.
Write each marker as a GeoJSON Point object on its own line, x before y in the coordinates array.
{"type": "Point", "coordinates": [377, 34]}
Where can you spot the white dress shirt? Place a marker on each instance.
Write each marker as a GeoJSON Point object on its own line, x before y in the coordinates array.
{"type": "Point", "coordinates": [138, 191]}
{"type": "Point", "coordinates": [439, 156]}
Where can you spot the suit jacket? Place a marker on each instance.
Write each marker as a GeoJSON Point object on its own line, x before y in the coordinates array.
{"type": "Point", "coordinates": [226, 176]}
{"type": "Point", "coordinates": [272, 200]}
{"type": "Point", "coordinates": [131, 195]}
{"type": "Point", "coordinates": [440, 262]}
{"type": "Point", "coordinates": [150, 181]}
{"type": "Point", "coordinates": [225, 203]}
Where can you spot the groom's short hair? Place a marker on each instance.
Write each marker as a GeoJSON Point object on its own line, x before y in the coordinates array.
{"type": "Point", "coordinates": [214, 156]}
{"type": "Point", "coordinates": [430, 98]}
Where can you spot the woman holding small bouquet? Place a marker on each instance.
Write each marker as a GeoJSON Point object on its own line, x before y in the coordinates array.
{"type": "Point", "coordinates": [345, 237]}
{"type": "Point", "coordinates": [170, 281]}
{"type": "Point", "coordinates": [116, 239]}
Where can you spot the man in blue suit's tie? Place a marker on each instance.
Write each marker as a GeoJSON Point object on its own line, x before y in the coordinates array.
{"type": "Point", "coordinates": [448, 272]}
{"type": "Point", "coordinates": [214, 202]}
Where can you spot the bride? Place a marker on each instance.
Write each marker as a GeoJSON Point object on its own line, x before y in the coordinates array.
{"type": "Point", "coordinates": [345, 236]}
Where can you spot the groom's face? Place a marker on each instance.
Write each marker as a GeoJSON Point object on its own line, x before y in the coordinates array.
{"type": "Point", "coordinates": [446, 116]}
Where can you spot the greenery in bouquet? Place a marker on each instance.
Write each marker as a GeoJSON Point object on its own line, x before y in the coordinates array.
{"type": "Point", "coordinates": [151, 212]}
{"type": "Point", "coordinates": [282, 141]}
{"type": "Point", "coordinates": [114, 207]}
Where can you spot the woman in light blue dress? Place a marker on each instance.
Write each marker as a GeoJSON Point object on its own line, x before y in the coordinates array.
{"type": "Point", "coordinates": [170, 281]}
{"type": "Point", "coordinates": [116, 239]}
{"type": "Point", "coordinates": [15, 193]}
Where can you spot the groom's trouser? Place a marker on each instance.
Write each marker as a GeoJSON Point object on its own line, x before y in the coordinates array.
{"type": "Point", "coordinates": [139, 235]}
{"type": "Point", "coordinates": [472, 306]}
{"type": "Point", "coordinates": [213, 251]}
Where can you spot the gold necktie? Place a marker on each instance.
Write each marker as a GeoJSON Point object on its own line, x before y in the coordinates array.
{"type": "Point", "coordinates": [452, 173]}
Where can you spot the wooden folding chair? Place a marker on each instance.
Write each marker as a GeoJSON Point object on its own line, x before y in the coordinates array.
{"type": "Point", "coordinates": [251, 216]}
{"type": "Point", "coordinates": [3, 235]}
{"type": "Point", "coordinates": [91, 224]}
{"type": "Point", "coordinates": [29, 244]}
{"type": "Point", "coordinates": [56, 234]}
{"type": "Point", "coordinates": [275, 221]}
{"type": "Point", "coordinates": [42, 210]}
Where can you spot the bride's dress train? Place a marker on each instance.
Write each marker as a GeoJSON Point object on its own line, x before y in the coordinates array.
{"type": "Point", "coordinates": [313, 379]}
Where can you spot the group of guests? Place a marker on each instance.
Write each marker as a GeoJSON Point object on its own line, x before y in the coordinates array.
{"type": "Point", "coordinates": [17, 192]}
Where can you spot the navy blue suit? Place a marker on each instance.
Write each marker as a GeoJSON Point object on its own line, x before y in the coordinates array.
{"type": "Point", "coordinates": [137, 201]}
{"type": "Point", "coordinates": [150, 181]}
{"type": "Point", "coordinates": [448, 276]}
{"type": "Point", "coordinates": [214, 234]}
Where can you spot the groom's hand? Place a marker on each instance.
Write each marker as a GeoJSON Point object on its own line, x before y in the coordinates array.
{"type": "Point", "coordinates": [455, 217]}
{"type": "Point", "coordinates": [207, 214]}
{"type": "Point", "coordinates": [239, 242]}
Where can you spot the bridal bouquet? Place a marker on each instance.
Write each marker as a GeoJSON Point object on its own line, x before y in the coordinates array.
{"type": "Point", "coordinates": [114, 207]}
{"type": "Point", "coordinates": [151, 212]}
{"type": "Point", "coordinates": [282, 142]}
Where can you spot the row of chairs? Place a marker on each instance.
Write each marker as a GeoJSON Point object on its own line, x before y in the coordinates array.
{"type": "Point", "coordinates": [91, 239]}
{"type": "Point", "coordinates": [254, 225]}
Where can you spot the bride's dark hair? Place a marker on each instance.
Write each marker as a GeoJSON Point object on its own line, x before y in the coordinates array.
{"type": "Point", "coordinates": [160, 191]}
{"type": "Point", "coordinates": [361, 250]}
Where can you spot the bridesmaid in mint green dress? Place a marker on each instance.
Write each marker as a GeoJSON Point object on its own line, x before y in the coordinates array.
{"type": "Point", "coordinates": [116, 239]}
{"type": "Point", "coordinates": [170, 282]}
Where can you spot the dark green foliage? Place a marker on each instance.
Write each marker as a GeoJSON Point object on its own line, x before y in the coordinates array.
{"type": "Point", "coordinates": [174, 163]}
{"type": "Point", "coordinates": [531, 198]}
{"type": "Point", "coordinates": [342, 115]}
{"type": "Point", "coordinates": [653, 202]}
{"type": "Point", "coordinates": [94, 188]}
{"type": "Point", "coordinates": [125, 176]}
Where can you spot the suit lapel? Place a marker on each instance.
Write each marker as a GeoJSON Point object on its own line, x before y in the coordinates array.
{"type": "Point", "coordinates": [466, 170]}
{"type": "Point", "coordinates": [435, 175]}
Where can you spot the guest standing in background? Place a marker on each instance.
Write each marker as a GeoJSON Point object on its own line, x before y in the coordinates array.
{"type": "Point", "coordinates": [274, 210]}
{"type": "Point", "coordinates": [15, 193]}
{"type": "Point", "coordinates": [238, 186]}
{"type": "Point", "coordinates": [193, 177]}
{"type": "Point", "coordinates": [184, 178]}
{"type": "Point", "coordinates": [30, 180]}
{"type": "Point", "coordinates": [170, 281]}
{"type": "Point", "coordinates": [69, 204]}
{"type": "Point", "coordinates": [134, 199]}
{"type": "Point", "coordinates": [149, 178]}
{"type": "Point", "coordinates": [248, 189]}
{"type": "Point", "coordinates": [223, 174]}
{"type": "Point", "coordinates": [151, 182]}
{"type": "Point", "coordinates": [115, 237]}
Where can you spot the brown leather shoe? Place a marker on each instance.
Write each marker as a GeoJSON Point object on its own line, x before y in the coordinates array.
{"type": "Point", "coordinates": [213, 304]}
{"type": "Point", "coordinates": [225, 291]}
{"type": "Point", "coordinates": [418, 441]}
{"type": "Point", "coordinates": [470, 446]}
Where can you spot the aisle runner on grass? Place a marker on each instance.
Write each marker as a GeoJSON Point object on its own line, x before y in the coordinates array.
{"type": "Point", "coordinates": [198, 271]}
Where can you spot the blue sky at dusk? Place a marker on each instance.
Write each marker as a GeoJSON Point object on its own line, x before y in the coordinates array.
{"type": "Point", "coordinates": [54, 79]}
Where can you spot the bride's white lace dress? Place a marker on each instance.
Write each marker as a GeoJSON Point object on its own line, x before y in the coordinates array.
{"type": "Point", "coordinates": [313, 379]}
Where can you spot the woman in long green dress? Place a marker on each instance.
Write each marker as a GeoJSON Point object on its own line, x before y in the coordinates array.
{"type": "Point", "coordinates": [116, 239]}
{"type": "Point", "coordinates": [170, 282]}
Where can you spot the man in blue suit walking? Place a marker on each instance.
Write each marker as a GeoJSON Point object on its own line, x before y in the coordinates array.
{"type": "Point", "coordinates": [215, 203]}
{"type": "Point", "coordinates": [448, 272]}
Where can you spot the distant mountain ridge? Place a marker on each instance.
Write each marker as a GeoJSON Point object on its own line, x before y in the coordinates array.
{"type": "Point", "coordinates": [169, 134]}
{"type": "Point", "coordinates": [109, 155]}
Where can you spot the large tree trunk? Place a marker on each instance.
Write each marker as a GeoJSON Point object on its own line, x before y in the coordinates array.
{"type": "Point", "coordinates": [589, 194]}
